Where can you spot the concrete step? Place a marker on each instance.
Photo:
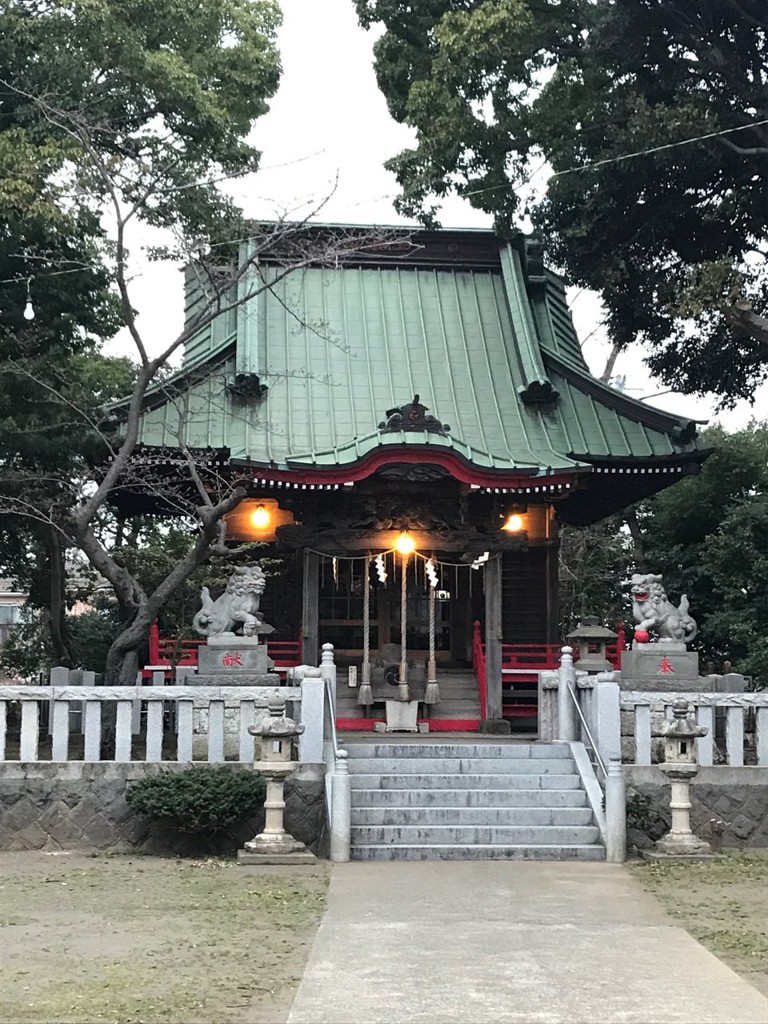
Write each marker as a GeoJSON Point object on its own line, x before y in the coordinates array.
{"type": "Point", "coordinates": [457, 692]}
{"type": "Point", "coordinates": [370, 749]}
{"type": "Point", "coordinates": [477, 852]}
{"type": "Point", "coordinates": [488, 798]}
{"type": "Point", "coordinates": [565, 817]}
{"type": "Point", "coordinates": [462, 765]}
{"type": "Point", "coordinates": [433, 780]}
{"type": "Point", "coordinates": [469, 835]}
{"type": "Point", "coordinates": [440, 712]}
{"type": "Point", "coordinates": [456, 707]}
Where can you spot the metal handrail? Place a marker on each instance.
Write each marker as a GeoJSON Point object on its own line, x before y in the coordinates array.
{"type": "Point", "coordinates": [328, 705]}
{"type": "Point", "coordinates": [587, 730]}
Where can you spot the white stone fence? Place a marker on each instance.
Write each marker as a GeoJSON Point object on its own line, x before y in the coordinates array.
{"type": "Point", "coordinates": [150, 723]}
{"type": "Point", "coordinates": [740, 711]}
{"type": "Point", "coordinates": [625, 723]}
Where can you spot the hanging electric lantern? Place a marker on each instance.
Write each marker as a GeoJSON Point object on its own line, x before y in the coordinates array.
{"type": "Point", "coordinates": [29, 309]}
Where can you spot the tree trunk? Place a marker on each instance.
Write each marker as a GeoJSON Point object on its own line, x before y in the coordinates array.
{"type": "Point", "coordinates": [56, 611]}
{"type": "Point", "coordinates": [613, 355]}
{"type": "Point", "coordinates": [742, 316]}
{"type": "Point", "coordinates": [123, 656]}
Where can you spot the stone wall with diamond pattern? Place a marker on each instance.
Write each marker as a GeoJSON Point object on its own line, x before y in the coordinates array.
{"type": "Point", "coordinates": [82, 806]}
{"type": "Point", "coordinates": [736, 797]}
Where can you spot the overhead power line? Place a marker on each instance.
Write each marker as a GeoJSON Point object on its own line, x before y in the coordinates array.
{"type": "Point", "coordinates": [655, 149]}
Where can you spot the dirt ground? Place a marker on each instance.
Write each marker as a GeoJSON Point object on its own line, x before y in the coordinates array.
{"type": "Point", "coordinates": [147, 940]}
{"type": "Point", "coordinates": [722, 903]}
{"type": "Point", "coordinates": [138, 940]}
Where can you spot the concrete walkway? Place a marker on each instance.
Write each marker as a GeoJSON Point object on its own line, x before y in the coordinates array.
{"type": "Point", "coordinates": [540, 943]}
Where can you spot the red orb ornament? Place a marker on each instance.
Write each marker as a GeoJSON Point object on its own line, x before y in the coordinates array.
{"type": "Point", "coordinates": [642, 636]}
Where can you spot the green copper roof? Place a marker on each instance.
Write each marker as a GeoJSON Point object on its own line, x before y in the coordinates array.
{"type": "Point", "coordinates": [491, 352]}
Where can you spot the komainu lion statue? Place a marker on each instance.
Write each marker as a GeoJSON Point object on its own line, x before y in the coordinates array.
{"type": "Point", "coordinates": [237, 606]}
{"type": "Point", "coordinates": [653, 611]}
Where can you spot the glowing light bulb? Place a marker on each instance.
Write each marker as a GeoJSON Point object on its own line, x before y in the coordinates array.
{"type": "Point", "coordinates": [405, 544]}
{"type": "Point", "coordinates": [29, 310]}
{"type": "Point", "coordinates": [260, 517]}
{"type": "Point", "coordinates": [514, 523]}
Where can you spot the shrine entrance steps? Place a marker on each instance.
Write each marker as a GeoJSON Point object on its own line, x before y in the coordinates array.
{"type": "Point", "coordinates": [469, 801]}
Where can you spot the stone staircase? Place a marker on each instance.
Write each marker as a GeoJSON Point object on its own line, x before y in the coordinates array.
{"type": "Point", "coordinates": [472, 800]}
{"type": "Point", "coordinates": [459, 698]}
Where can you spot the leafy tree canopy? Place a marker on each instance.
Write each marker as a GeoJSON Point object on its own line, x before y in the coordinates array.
{"type": "Point", "coordinates": [595, 564]}
{"type": "Point", "coordinates": [111, 112]}
{"type": "Point", "coordinates": [674, 239]}
{"type": "Point", "coordinates": [708, 536]}
{"type": "Point", "coordinates": [164, 90]}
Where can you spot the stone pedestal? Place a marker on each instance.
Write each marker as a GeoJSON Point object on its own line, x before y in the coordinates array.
{"type": "Point", "coordinates": [681, 841]}
{"type": "Point", "coordinates": [274, 845]}
{"type": "Point", "coordinates": [230, 660]}
{"type": "Point", "coordinates": [665, 665]}
{"type": "Point", "coordinates": [402, 716]}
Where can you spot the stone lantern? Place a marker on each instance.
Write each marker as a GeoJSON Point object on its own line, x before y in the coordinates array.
{"type": "Point", "coordinates": [590, 634]}
{"type": "Point", "coordinates": [274, 845]}
{"type": "Point", "coordinates": [680, 766]}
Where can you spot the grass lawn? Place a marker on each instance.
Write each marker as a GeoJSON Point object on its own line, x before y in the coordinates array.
{"type": "Point", "coordinates": [722, 903]}
{"type": "Point", "coordinates": [138, 940]}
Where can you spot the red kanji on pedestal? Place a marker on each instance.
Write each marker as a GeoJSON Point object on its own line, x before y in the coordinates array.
{"type": "Point", "coordinates": [665, 665]}
{"type": "Point", "coordinates": [231, 659]}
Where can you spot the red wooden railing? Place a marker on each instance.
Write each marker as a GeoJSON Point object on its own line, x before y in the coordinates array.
{"type": "Point", "coordinates": [171, 651]}
{"type": "Point", "coordinates": [520, 665]}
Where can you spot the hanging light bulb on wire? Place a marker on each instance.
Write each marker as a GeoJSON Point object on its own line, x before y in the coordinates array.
{"type": "Point", "coordinates": [29, 309]}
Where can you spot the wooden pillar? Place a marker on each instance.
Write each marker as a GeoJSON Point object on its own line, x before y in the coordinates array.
{"type": "Point", "coordinates": [553, 592]}
{"type": "Point", "coordinates": [494, 722]}
{"type": "Point", "coordinates": [310, 586]}
{"type": "Point", "coordinates": [553, 578]}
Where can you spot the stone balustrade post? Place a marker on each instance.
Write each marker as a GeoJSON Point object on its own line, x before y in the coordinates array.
{"type": "Point", "coordinates": [615, 813]}
{"type": "Point", "coordinates": [567, 728]}
{"type": "Point", "coordinates": [606, 716]}
{"type": "Point", "coordinates": [341, 809]}
{"type": "Point", "coordinates": [312, 716]}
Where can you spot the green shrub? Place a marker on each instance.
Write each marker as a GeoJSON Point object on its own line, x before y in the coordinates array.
{"type": "Point", "coordinates": [199, 800]}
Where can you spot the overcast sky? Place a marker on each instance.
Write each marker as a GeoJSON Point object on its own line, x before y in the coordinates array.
{"type": "Point", "coordinates": [327, 135]}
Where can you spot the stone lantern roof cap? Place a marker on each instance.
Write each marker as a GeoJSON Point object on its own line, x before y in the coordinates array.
{"type": "Point", "coordinates": [278, 725]}
{"type": "Point", "coordinates": [683, 725]}
{"type": "Point", "coordinates": [590, 629]}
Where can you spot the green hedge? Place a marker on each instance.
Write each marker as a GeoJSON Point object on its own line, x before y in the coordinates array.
{"type": "Point", "coordinates": [199, 800]}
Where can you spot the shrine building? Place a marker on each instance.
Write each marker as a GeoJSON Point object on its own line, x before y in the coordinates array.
{"type": "Point", "coordinates": [420, 419]}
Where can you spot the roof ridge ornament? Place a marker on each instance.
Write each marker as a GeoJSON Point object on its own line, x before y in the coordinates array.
{"type": "Point", "coordinates": [684, 432]}
{"type": "Point", "coordinates": [538, 392]}
{"type": "Point", "coordinates": [246, 387]}
{"type": "Point", "coordinates": [413, 416]}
